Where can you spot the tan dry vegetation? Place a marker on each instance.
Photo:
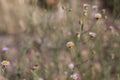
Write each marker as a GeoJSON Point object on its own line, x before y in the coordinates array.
{"type": "Point", "coordinates": [37, 34]}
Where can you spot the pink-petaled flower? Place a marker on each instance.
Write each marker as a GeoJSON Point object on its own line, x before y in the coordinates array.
{"type": "Point", "coordinates": [40, 78]}
{"type": "Point", "coordinates": [5, 49]}
{"type": "Point", "coordinates": [70, 44]}
{"type": "Point", "coordinates": [110, 27]}
{"type": "Point", "coordinates": [65, 72]}
{"type": "Point", "coordinates": [71, 65]}
{"type": "Point", "coordinates": [35, 67]}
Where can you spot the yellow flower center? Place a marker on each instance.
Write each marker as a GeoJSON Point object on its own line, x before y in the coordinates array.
{"type": "Point", "coordinates": [36, 67]}
{"type": "Point", "coordinates": [5, 63]}
{"type": "Point", "coordinates": [70, 44]}
{"type": "Point", "coordinates": [98, 16]}
{"type": "Point", "coordinates": [74, 77]}
{"type": "Point", "coordinates": [92, 34]}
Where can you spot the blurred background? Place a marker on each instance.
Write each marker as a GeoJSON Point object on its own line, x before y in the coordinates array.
{"type": "Point", "coordinates": [34, 36]}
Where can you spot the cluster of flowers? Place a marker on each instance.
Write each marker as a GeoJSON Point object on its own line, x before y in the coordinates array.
{"type": "Point", "coordinates": [5, 62]}
{"type": "Point", "coordinates": [70, 44]}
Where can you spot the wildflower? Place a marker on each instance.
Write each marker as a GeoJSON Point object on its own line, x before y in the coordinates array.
{"type": "Point", "coordinates": [92, 34]}
{"type": "Point", "coordinates": [71, 65]}
{"type": "Point", "coordinates": [5, 63]}
{"type": "Point", "coordinates": [110, 28]}
{"type": "Point", "coordinates": [98, 16]}
{"type": "Point", "coordinates": [65, 72]}
{"type": "Point", "coordinates": [95, 7]}
{"type": "Point", "coordinates": [40, 78]}
{"type": "Point", "coordinates": [74, 76]}
{"type": "Point", "coordinates": [70, 44]}
{"type": "Point", "coordinates": [5, 49]}
{"type": "Point", "coordinates": [85, 6]}
{"type": "Point", "coordinates": [35, 67]}
{"type": "Point", "coordinates": [78, 35]}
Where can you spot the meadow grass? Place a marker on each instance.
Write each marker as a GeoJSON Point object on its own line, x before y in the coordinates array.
{"type": "Point", "coordinates": [73, 43]}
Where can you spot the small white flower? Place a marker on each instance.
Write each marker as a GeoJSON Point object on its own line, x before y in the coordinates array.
{"type": "Point", "coordinates": [5, 63]}
{"type": "Point", "coordinates": [110, 27]}
{"type": "Point", "coordinates": [94, 7]}
{"type": "Point", "coordinates": [5, 49]}
{"type": "Point", "coordinates": [71, 65]}
{"type": "Point", "coordinates": [40, 79]}
{"type": "Point", "coordinates": [98, 16]}
{"type": "Point", "coordinates": [74, 76]}
{"type": "Point", "coordinates": [70, 44]}
{"type": "Point", "coordinates": [85, 5]}
{"type": "Point", "coordinates": [92, 34]}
